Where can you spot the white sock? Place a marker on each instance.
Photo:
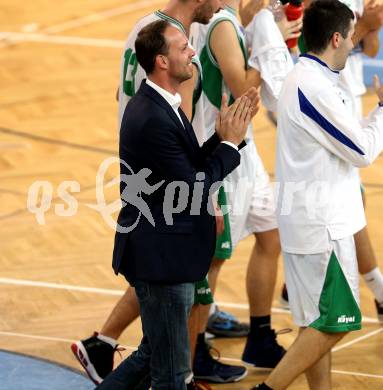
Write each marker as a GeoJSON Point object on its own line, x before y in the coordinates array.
{"type": "Point", "coordinates": [108, 340]}
{"type": "Point", "coordinates": [374, 281]}
{"type": "Point", "coordinates": [212, 310]}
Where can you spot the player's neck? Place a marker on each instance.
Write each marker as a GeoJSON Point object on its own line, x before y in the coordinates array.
{"type": "Point", "coordinates": [328, 58]}
{"type": "Point", "coordinates": [180, 12]}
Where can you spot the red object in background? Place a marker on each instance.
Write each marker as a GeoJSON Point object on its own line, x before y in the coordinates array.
{"type": "Point", "coordinates": [293, 11]}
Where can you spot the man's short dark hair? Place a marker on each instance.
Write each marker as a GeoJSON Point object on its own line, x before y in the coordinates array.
{"type": "Point", "coordinates": [321, 20]}
{"type": "Point", "coordinates": [150, 43]}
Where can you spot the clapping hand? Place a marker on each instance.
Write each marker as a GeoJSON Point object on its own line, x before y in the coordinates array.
{"type": "Point", "coordinates": [232, 121]}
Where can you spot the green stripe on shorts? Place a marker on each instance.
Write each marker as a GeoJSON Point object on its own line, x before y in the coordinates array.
{"type": "Point", "coordinates": [223, 245]}
{"type": "Point", "coordinates": [202, 294]}
{"type": "Point", "coordinates": [338, 309]}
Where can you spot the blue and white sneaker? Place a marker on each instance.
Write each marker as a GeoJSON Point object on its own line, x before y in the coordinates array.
{"type": "Point", "coordinates": [222, 324]}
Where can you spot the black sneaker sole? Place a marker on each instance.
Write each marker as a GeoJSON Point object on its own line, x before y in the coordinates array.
{"type": "Point", "coordinates": [217, 379]}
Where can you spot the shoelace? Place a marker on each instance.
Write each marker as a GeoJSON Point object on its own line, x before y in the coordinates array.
{"type": "Point", "coordinates": [118, 348]}
{"type": "Point", "coordinates": [283, 331]}
{"type": "Point", "coordinates": [209, 348]}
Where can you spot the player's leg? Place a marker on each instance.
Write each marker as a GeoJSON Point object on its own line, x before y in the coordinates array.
{"type": "Point", "coordinates": [319, 375]}
{"type": "Point", "coordinates": [368, 266]}
{"type": "Point", "coordinates": [324, 298]}
{"type": "Point", "coordinates": [297, 360]}
{"type": "Point", "coordinates": [96, 353]}
{"type": "Point", "coordinates": [205, 366]}
{"type": "Point", "coordinates": [221, 323]}
{"type": "Point", "coordinates": [261, 348]}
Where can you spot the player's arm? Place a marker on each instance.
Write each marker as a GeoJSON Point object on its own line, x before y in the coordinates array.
{"type": "Point", "coordinates": [371, 43]}
{"type": "Point", "coordinates": [186, 91]}
{"type": "Point", "coordinates": [248, 10]}
{"type": "Point", "coordinates": [227, 52]}
{"type": "Point", "coordinates": [330, 123]}
{"type": "Point", "coordinates": [372, 19]}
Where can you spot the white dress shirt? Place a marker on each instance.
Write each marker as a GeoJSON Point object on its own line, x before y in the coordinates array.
{"type": "Point", "coordinates": [173, 100]}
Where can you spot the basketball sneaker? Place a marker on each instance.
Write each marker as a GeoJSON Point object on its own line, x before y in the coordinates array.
{"type": "Point", "coordinates": [222, 324]}
{"type": "Point", "coordinates": [96, 356]}
{"type": "Point", "coordinates": [263, 352]}
{"type": "Point", "coordinates": [379, 310]}
{"type": "Point", "coordinates": [209, 369]}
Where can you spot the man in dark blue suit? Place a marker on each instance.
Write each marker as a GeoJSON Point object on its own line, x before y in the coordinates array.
{"type": "Point", "coordinates": [164, 253]}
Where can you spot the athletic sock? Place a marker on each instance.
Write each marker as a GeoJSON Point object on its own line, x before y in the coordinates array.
{"type": "Point", "coordinates": [201, 338]}
{"type": "Point", "coordinates": [108, 340]}
{"type": "Point", "coordinates": [260, 326]}
{"type": "Point", "coordinates": [374, 281]}
{"type": "Point", "coordinates": [213, 308]}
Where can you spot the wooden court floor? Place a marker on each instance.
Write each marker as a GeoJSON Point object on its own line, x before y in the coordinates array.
{"type": "Point", "coordinates": [59, 70]}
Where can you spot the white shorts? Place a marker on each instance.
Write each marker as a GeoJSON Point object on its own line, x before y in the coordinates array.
{"type": "Point", "coordinates": [250, 196]}
{"type": "Point", "coordinates": [323, 288]}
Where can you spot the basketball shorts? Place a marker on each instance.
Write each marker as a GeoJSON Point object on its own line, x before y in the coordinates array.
{"type": "Point", "coordinates": [202, 293]}
{"type": "Point", "coordinates": [250, 197]}
{"type": "Point", "coordinates": [223, 246]}
{"type": "Point", "coordinates": [323, 288]}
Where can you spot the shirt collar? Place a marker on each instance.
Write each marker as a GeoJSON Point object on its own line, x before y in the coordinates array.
{"type": "Point", "coordinates": [173, 100]}
{"type": "Point", "coordinates": [333, 74]}
{"type": "Point", "coordinates": [171, 20]}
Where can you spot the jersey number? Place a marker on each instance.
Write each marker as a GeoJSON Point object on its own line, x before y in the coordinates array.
{"type": "Point", "coordinates": [130, 70]}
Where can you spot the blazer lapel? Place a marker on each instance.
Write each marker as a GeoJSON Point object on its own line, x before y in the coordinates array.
{"type": "Point", "coordinates": [188, 128]}
{"type": "Point", "coordinates": [161, 101]}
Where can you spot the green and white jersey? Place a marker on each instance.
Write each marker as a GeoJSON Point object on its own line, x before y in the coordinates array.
{"type": "Point", "coordinates": [351, 77]}
{"type": "Point", "coordinates": [132, 74]}
{"type": "Point", "coordinates": [214, 85]}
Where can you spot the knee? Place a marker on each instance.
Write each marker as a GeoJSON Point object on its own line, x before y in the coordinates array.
{"type": "Point", "coordinates": [268, 243]}
{"type": "Point", "coordinates": [216, 265]}
{"type": "Point", "coordinates": [339, 336]}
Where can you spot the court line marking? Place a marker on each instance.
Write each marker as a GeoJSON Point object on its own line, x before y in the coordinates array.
{"type": "Point", "coordinates": [341, 372]}
{"type": "Point", "coordinates": [54, 141]}
{"type": "Point", "coordinates": [128, 347]}
{"type": "Point", "coordinates": [14, 37]}
{"type": "Point", "coordinates": [101, 16]}
{"type": "Point", "coordinates": [361, 338]}
{"type": "Point", "coordinates": [108, 291]}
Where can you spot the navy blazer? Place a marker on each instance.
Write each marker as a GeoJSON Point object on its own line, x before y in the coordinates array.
{"type": "Point", "coordinates": [153, 137]}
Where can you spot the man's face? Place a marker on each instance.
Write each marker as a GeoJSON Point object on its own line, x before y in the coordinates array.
{"type": "Point", "coordinates": [206, 10]}
{"type": "Point", "coordinates": [345, 47]}
{"type": "Point", "coordinates": [179, 55]}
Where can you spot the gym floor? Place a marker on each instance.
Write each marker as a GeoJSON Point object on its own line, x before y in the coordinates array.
{"type": "Point", "coordinates": [59, 71]}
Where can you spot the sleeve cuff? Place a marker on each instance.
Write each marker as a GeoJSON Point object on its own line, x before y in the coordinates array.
{"type": "Point", "coordinates": [230, 144]}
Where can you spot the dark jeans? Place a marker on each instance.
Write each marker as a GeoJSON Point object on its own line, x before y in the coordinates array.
{"type": "Point", "coordinates": [164, 352]}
